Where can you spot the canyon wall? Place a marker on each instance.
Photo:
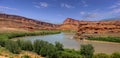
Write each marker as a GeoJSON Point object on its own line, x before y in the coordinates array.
{"type": "Point", "coordinates": [14, 21]}
{"type": "Point", "coordinates": [69, 24]}
{"type": "Point", "coordinates": [82, 27]}
{"type": "Point", "coordinates": [101, 27]}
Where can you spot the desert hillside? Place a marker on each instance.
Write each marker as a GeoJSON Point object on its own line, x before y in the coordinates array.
{"type": "Point", "coordinates": [14, 21]}
{"type": "Point", "coordinates": [19, 22]}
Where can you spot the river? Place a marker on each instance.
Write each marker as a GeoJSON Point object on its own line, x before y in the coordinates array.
{"type": "Point", "coordinates": [67, 40]}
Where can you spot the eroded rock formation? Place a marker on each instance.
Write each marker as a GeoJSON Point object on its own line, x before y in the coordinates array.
{"type": "Point", "coordinates": [70, 24]}
{"type": "Point", "coordinates": [101, 27]}
{"type": "Point", "coordinates": [14, 21]}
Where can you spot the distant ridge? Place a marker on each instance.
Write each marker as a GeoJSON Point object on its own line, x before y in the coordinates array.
{"type": "Point", "coordinates": [15, 21]}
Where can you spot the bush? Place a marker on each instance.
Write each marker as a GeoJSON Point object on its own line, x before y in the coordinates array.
{"type": "Point", "coordinates": [38, 44]}
{"type": "Point", "coordinates": [44, 48]}
{"type": "Point", "coordinates": [12, 46]}
{"type": "Point", "coordinates": [115, 55]}
{"type": "Point", "coordinates": [72, 51]}
{"type": "Point", "coordinates": [101, 55]}
{"type": "Point", "coordinates": [87, 51]}
{"type": "Point", "coordinates": [2, 42]}
{"type": "Point", "coordinates": [63, 54]}
{"type": "Point", "coordinates": [25, 45]}
{"type": "Point", "coordinates": [48, 50]}
{"type": "Point", "coordinates": [59, 46]}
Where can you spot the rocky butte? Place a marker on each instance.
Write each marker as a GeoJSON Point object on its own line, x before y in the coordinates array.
{"type": "Point", "coordinates": [69, 24]}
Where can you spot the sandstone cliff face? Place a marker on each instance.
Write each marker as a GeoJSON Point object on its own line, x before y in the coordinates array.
{"type": "Point", "coordinates": [83, 27]}
{"type": "Point", "coordinates": [13, 21]}
{"type": "Point", "coordinates": [70, 24]}
{"type": "Point", "coordinates": [101, 27]}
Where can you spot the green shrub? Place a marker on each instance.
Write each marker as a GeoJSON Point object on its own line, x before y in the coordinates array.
{"type": "Point", "coordinates": [101, 55]}
{"type": "Point", "coordinates": [25, 45]}
{"type": "Point", "coordinates": [38, 44]}
{"type": "Point", "coordinates": [2, 42]}
{"type": "Point", "coordinates": [44, 48]}
{"type": "Point", "coordinates": [115, 55]}
{"type": "Point", "coordinates": [59, 46]}
{"type": "Point", "coordinates": [12, 46]}
{"type": "Point", "coordinates": [72, 51]}
{"type": "Point", "coordinates": [87, 51]}
{"type": "Point", "coordinates": [47, 50]}
{"type": "Point", "coordinates": [63, 54]}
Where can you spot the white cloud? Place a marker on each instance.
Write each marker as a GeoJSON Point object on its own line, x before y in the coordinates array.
{"type": "Point", "coordinates": [91, 15]}
{"type": "Point", "coordinates": [117, 10]}
{"type": "Point", "coordinates": [82, 13]}
{"type": "Point", "coordinates": [66, 5]}
{"type": "Point", "coordinates": [84, 3]}
{"type": "Point", "coordinates": [5, 7]}
{"type": "Point", "coordinates": [116, 5]}
{"type": "Point", "coordinates": [43, 4]}
{"type": "Point", "coordinates": [40, 4]}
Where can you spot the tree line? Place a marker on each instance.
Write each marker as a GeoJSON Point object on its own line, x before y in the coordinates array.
{"type": "Point", "coordinates": [56, 50]}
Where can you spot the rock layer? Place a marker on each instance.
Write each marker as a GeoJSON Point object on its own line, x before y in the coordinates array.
{"type": "Point", "coordinates": [70, 24]}
{"type": "Point", "coordinates": [14, 21]}
{"type": "Point", "coordinates": [101, 27]}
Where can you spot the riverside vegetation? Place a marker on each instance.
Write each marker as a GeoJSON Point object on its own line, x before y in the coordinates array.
{"type": "Point", "coordinates": [56, 50]}
{"type": "Point", "coordinates": [9, 35]}
{"type": "Point", "coordinates": [46, 49]}
{"type": "Point", "coordinates": [109, 39]}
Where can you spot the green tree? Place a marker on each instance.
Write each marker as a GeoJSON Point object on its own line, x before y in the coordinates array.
{"type": "Point", "coordinates": [59, 46]}
{"type": "Point", "coordinates": [48, 50]}
{"type": "Point", "coordinates": [38, 45]}
{"type": "Point", "coordinates": [12, 46]}
{"type": "Point", "coordinates": [87, 51]}
{"type": "Point", "coordinates": [25, 45]}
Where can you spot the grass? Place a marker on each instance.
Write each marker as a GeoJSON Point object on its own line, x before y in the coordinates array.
{"type": "Point", "coordinates": [109, 39]}
{"type": "Point", "coordinates": [5, 53]}
{"type": "Point", "coordinates": [9, 35]}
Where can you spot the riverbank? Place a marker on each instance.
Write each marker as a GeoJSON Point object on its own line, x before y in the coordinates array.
{"type": "Point", "coordinates": [46, 49]}
{"type": "Point", "coordinates": [9, 35]}
{"type": "Point", "coordinates": [100, 41]}
{"type": "Point", "coordinates": [107, 39]}
{"type": "Point", "coordinates": [5, 53]}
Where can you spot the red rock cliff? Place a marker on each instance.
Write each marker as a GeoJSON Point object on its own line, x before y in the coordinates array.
{"type": "Point", "coordinates": [70, 24]}
{"type": "Point", "coordinates": [101, 27]}
{"type": "Point", "coordinates": [14, 21]}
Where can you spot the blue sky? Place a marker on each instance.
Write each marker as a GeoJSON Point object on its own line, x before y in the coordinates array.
{"type": "Point", "coordinates": [56, 11]}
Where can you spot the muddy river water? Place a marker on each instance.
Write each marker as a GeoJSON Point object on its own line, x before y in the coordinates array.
{"type": "Point", "coordinates": [67, 40]}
